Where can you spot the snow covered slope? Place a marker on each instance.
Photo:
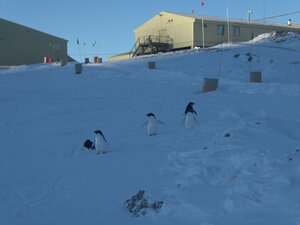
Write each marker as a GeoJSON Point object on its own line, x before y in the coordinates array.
{"type": "Point", "coordinates": [240, 165]}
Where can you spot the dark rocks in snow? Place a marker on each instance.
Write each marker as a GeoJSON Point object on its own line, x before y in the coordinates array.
{"type": "Point", "coordinates": [227, 135]}
{"type": "Point", "coordinates": [297, 150]}
{"type": "Point", "coordinates": [236, 55]}
{"type": "Point", "coordinates": [250, 57]}
{"type": "Point", "coordinates": [88, 144]}
{"type": "Point", "coordinates": [156, 206]}
{"type": "Point", "coordinates": [138, 205]}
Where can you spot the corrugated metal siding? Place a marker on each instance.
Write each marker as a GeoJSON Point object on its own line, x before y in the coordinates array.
{"type": "Point", "coordinates": [22, 45]}
{"type": "Point", "coordinates": [186, 29]}
{"type": "Point", "coordinates": [179, 28]}
{"type": "Point", "coordinates": [247, 32]}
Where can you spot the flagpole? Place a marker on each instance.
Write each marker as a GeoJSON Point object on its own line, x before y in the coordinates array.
{"type": "Point", "coordinates": [228, 24]}
{"type": "Point", "coordinates": [203, 41]}
{"type": "Point", "coordinates": [79, 50]}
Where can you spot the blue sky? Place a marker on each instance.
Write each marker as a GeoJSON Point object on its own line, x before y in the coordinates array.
{"type": "Point", "coordinates": [111, 23]}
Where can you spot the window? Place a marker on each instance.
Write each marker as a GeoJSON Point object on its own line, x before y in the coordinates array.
{"type": "Point", "coordinates": [221, 29]}
{"type": "Point", "coordinates": [236, 31]}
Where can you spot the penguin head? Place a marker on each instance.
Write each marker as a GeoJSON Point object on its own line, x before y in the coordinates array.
{"type": "Point", "coordinates": [150, 114]}
{"type": "Point", "coordinates": [189, 108]}
{"type": "Point", "coordinates": [98, 132]}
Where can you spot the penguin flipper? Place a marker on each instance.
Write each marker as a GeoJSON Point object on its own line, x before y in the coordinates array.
{"type": "Point", "coordinates": [182, 123]}
{"type": "Point", "coordinates": [196, 121]}
{"type": "Point", "coordinates": [144, 124]}
{"type": "Point", "coordinates": [161, 122]}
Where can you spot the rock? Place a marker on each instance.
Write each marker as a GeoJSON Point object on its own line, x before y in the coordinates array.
{"type": "Point", "coordinates": [156, 206]}
{"type": "Point", "coordinates": [227, 135]}
{"type": "Point", "coordinates": [138, 205]}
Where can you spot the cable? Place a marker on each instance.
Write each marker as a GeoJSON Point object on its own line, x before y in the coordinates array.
{"type": "Point", "coordinates": [98, 53]}
{"type": "Point", "coordinates": [280, 15]}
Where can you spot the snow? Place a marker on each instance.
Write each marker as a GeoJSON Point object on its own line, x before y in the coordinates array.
{"type": "Point", "coordinates": [239, 165]}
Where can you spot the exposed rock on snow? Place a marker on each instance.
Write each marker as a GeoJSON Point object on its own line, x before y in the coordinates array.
{"type": "Point", "coordinates": [138, 204]}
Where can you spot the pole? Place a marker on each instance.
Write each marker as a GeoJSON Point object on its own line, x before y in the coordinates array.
{"type": "Point", "coordinates": [79, 50]}
{"type": "Point", "coordinates": [53, 51]}
{"type": "Point", "coordinates": [228, 24]}
{"type": "Point", "coordinates": [203, 36]}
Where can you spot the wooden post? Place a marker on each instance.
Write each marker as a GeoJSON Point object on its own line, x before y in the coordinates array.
{"type": "Point", "coordinates": [63, 62]}
{"type": "Point", "coordinates": [151, 65]}
{"type": "Point", "coordinates": [78, 68]}
{"type": "Point", "coordinates": [255, 77]}
{"type": "Point", "coordinates": [210, 84]}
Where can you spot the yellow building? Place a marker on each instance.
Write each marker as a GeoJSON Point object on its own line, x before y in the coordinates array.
{"type": "Point", "coordinates": [23, 45]}
{"type": "Point", "coordinates": [169, 31]}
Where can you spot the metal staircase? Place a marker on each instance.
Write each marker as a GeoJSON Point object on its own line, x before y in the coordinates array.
{"type": "Point", "coordinates": [151, 44]}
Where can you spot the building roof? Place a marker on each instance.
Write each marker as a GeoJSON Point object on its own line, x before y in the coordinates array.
{"type": "Point", "coordinates": [7, 21]}
{"type": "Point", "coordinates": [222, 19]}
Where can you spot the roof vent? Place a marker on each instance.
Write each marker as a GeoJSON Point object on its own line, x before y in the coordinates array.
{"type": "Point", "coordinates": [289, 22]}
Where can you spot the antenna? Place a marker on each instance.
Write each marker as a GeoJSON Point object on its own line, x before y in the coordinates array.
{"type": "Point", "coordinates": [249, 14]}
{"type": "Point", "coordinates": [264, 10]}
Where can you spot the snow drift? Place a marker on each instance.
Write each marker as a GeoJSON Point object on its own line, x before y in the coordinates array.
{"type": "Point", "coordinates": [240, 165]}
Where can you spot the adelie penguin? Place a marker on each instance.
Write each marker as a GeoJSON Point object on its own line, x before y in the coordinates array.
{"type": "Point", "coordinates": [189, 118]}
{"type": "Point", "coordinates": [152, 124]}
{"type": "Point", "coordinates": [100, 142]}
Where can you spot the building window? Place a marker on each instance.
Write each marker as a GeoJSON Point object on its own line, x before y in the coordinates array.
{"type": "Point", "coordinates": [221, 29]}
{"type": "Point", "coordinates": [237, 31]}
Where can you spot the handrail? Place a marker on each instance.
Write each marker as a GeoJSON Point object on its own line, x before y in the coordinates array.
{"type": "Point", "coordinates": [151, 40]}
{"type": "Point", "coordinates": [156, 39]}
{"type": "Point", "coordinates": [134, 46]}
